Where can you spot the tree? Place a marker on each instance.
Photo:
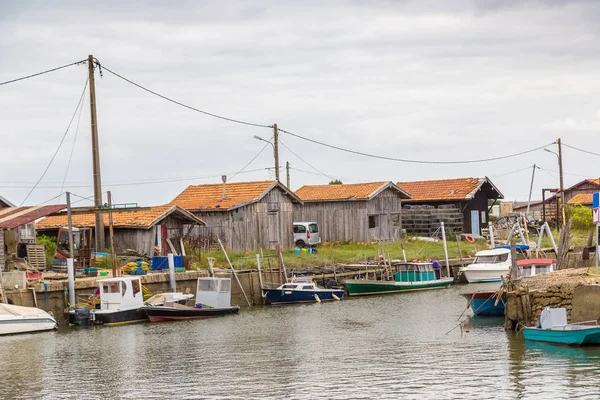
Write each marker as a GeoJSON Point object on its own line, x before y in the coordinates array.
{"type": "Point", "coordinates": [581, 217]}
{"type": "Point", "coordinates": [335, 182]}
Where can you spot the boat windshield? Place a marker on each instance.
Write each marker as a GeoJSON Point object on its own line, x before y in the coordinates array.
{"type": "Point", "coordinates": [491, 259]}
{"type": "Point", "coordinates": [289, 286]}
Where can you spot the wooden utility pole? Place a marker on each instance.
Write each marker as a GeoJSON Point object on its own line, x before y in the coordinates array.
{"type": "Point", "coordinates": [530, 190]}
{"type": "Point", "coordinates": [70, 225]}
{"type": "Point", "coordinates": [113, 254]}
{"type": "Point", "coordinates": [561, 210]}
{"type": "Point", "coordinates": [276, 150]}
{"type": "Point", "coordinates": [287, 172]}
{"type": "Point", "coordinates": [99, 226]}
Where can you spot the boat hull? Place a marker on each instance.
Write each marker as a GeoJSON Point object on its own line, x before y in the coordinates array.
{"type": "Point", "coordinates": [162, 314]}
{"type": "Point", "coordinates": [28, 325]}
{"type": "Point", "coordinates": [369, 287]}
{"type": "Point", "coordinates": [113, 317]}
{"type": "Point", "coordinates": [482, 304]}
{"type": "Point", "coordinates": [587, 336]}
{"type": "Point", "coordinates": [279, 296]}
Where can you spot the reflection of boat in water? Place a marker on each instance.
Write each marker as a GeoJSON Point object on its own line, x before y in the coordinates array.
{"type": "Point", "coordinates": [18, 319]}
{"type": "Point", "coordinates": [492, 303]}
{"type": "Point", "coordinates": [552, 327]}
{"type": "Point", "coordinates": [407, 277]}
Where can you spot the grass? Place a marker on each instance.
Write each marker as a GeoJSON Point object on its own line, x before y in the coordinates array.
{"type": "Point", "coordinates": [346, 253]}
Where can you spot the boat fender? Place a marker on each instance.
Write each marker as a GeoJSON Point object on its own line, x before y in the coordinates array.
{"type": "Point", "coordinates": [317, 298]}
{"type": "Point", "coordinates": [334, 296]}
{"type": "Point", "coordinates": [469, 238]}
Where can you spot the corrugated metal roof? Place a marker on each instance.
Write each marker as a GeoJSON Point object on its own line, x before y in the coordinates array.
{"type": "Point", "coordinates": [12, 217]}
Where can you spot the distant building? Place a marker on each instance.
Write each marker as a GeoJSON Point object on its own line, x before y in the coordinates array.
{"type": "Point", "coordinates": [353, 212]}
{"type": "Point", "coordinates": [244, 215]}
{"type": "Point", "coordinates": [461, 203]}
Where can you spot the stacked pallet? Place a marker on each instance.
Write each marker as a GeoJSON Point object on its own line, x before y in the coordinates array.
{"type": "Point", "coordinates": [424, 220]}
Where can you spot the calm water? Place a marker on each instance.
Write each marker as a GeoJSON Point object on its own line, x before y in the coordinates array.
{"type": "Point", "coordinates": [392, 346]}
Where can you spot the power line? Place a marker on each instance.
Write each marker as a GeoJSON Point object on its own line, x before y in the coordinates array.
{"type": "Point", "coordinates": [513, 172]}
{"type": "Point", "coordinates": [59, 145]}
{"type": "Point", "coordinates": [578, 149]}
{"type": "Point", "coordinates": [305, 162]}
{"type": "Point", "coordinates": [237, 121]}
{"type": "Point", "coordinates": [333, 177]}
{"type": "Point", "coordinates": [74, 140]}
{"type": "Point", "coordinates": [42, 73]}
{"type": "Point", "coordinates": [251, 161]}
{"type": "Point", "coordinates": [413, 161]}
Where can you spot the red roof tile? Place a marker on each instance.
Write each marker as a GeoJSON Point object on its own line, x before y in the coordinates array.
{"type": "Point", "coordinates": [210, 197]}
{"type": "Point", "coordinates": [346, 191]}
{"type": "Point", "coordinates": [441, 190]}
{"type": "Point", "coordinates": [581, 198]}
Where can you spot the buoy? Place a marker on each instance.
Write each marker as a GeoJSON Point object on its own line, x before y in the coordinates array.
{"type": "Point", "coordinates": [469, 238]}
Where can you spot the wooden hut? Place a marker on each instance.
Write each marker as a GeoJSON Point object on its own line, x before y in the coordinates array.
{"type": "Point", "coordinates": [461, 203]}
{"type": "Point", "coordinates": [139, 229]}
{"type": "Point", "coordinates": [244, 215]}
{"type": "Point", "coordinates": [353, 212]}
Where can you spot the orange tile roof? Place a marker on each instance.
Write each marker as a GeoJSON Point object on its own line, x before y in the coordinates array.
{"type": "Point", "coordinates": [142, 218]}
{"type": "Point", "coordinates": [209, 197]}
{"type": "Point", "coordinates": [351, 191]}
{"type": "Point", "coordinates": [440, 190]}
{"type": "Point", "coordinates": [581, 198]}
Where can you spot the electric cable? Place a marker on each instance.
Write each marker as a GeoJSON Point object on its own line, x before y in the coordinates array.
{"type": "Point", "coordinates": [41, 73]}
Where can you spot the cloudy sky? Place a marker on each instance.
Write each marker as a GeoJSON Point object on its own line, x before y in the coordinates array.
{"type": "Point", "coordinates": [407, 79]}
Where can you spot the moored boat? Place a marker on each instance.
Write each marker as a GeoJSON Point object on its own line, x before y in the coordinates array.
{"type": "Point", "coordinates": [300, 290]}
{"type": "Point", "coordinates": [18, 319]}
{"type": "Point", "coordinates": [489, 266]}
{"type": "Point", "coordinates": [552, 327]}
{"type": "Point", "coordinates": [121, 300]}
{"type": "Point", "coordinates": [491, 303]}
{"type": "Point", "coordinates": [407, 277]}
{"type": "Point", "coordinates": [213, 298]}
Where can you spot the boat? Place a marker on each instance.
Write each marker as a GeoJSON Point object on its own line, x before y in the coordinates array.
{"type": "Point", "coordinates": [213, 298]}
{"type": "Point", "coordinates": [490, 304]}
{"type": "Point", "coordinates": [552, 327]}
{"type": "Point", "coordinates": [301, 290]}
{"type": "Point", "coordinates": [489, 266]}
{"type": "Point", "coordinates": [18, 319]}
{"type": "Point", "coordinates": [121, 300]}
{"type": "Point", "coordinates": [408, 276]}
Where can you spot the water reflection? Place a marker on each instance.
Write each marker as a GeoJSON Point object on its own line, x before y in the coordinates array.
{"type": "Point", "coordinates": [393, 346]}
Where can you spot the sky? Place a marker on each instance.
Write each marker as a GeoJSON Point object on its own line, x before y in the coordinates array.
{"type": "Point", "coordinates": [420, 80]}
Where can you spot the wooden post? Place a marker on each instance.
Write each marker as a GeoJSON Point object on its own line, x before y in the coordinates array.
{"type": "Point", "coordinates": [70, 225]}
{"type": "Point", "coordinates": [459, 251]}
{"type": "Point", "coordinates": [561, 210]}
{"type": "Point", "coordinates": [260, 281]}
{"type": "Point", "coordinates": [113, 254]}
{"type": "Point", "coordinates": [492, 240]}
{"type": "Point", "coordinates": [278, 249]}
{"type": "Point", "coordinates": [287, 172]}
{"type": "Point", "coordinates": [99, 226]}
{"type": "Point", "coordinates": [513, 260]}
{"type": "Point", "coordinates": [445, 249]}
{"type": "Point", "coordinates": [234, 273]}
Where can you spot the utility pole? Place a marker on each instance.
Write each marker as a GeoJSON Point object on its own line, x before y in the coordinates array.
{"type": "Point", "coordinates": [99, 229]}
{"type": "Point", "coordinates": [70, 225]}
{"type": "Point", "coordinates": [562, 187]}
{"type": "Point", "coordinates": [530, 190]}
{"type": "Point", "coordinates": [287, 172]}
{"type": "Point", "coordinates": [276, 150]}
{"type": "Point", "coordinates": [113, 254]}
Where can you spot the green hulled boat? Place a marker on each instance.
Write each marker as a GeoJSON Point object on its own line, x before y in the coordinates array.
{"type": "Point", "coordinates": [407, 277]}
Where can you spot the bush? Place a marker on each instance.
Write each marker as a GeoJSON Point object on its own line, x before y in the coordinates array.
{"type": "Point", "coordinates": [581, 217]}
{"type": "Point", "coordinates": [49, 246]}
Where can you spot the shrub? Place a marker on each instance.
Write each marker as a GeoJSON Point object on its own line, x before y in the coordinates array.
{"type": "Point", "coordinates": [49, 247]}
{"type": "Point", "coordinates": [581, 217]}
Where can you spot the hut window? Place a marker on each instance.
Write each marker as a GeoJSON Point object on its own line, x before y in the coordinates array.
{"type": "Point", "coordinates": [395, 218]}
{"type": "Point", "coordinates": [27, 231]}
{"type": "Point", "coordinates": [272, 207]}
{"type": "Point", "coordinates": [238, 216]}
{"type": "Point", "coordinates": [373, 223]}
{"type": "Point", "coordinates": [483, 217]}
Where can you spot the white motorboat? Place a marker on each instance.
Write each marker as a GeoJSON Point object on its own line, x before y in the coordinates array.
{"type": "Point", "coordinates": [489, 266]}
{"type": "Point", "coordinates": [17, 319]}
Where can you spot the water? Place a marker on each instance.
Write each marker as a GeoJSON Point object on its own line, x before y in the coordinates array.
{"type": "Point", "coordinates": [392, 346]}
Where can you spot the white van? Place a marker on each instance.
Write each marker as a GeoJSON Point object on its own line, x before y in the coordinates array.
{"type": "Point", "coordinates": [306, 234]}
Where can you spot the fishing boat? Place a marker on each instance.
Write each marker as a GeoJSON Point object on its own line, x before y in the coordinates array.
{"type": "Point", "coordinates": [18, 319]}
{"type": "Point", "coordinates": [407, 277]}
{"type": "Point", "coordinates": [121, 300]}
{"type": "Point", "coordinates": [300, 290]}
{"type": "Point", "coordinates": [489, 266]}
{"type": "Point", "coordinates": [552, 327]}
{"type": "Point", "coordinates": [213, 298]}
{"type": "Point", "coordinates": [491, 303]}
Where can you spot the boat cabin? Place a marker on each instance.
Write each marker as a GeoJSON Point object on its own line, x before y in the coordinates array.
{"type": "Point", "coordinates": [415, 272]}
{"type": "Point", "coordinates": [495, 256]}
{"type": "Point", "coordinates": [534, 266]}
{"type": "Point", "coordinates": [213, 293]}
{"type": "Point", "coordinates": [120, 293]}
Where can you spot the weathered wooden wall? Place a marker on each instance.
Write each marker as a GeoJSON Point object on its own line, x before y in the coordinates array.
{"type": "Point", "coordinates": [349, 220]}
{"type": "Point", "coordinates": [258, 225]}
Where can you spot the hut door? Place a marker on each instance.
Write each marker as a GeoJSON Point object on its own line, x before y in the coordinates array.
{"type": "Point", "coordinates": [273, 229]}
{"type": "Point", "coordinates": [475, 222]}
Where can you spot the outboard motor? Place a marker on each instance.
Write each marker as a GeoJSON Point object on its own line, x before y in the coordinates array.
{"type": "Point", "coordinates": [82, 316]}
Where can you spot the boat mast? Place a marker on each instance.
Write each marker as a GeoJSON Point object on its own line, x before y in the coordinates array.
{"type": "Point", "coordinates": [99, 226]}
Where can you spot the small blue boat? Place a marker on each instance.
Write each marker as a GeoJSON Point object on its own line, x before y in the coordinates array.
{"type": "Point", "coordinates": [300, 291]}
{"type": "Point", "coordinates": [485, 303]}
{"type": "Point", "coordinates": [553, 328]}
